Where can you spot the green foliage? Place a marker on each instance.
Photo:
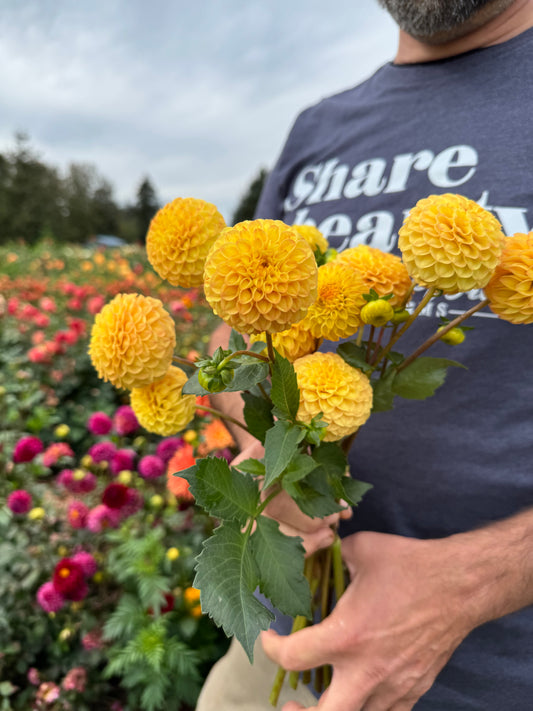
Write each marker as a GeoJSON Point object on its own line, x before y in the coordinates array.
{"type": "Point", "coordinates": [284, 393]}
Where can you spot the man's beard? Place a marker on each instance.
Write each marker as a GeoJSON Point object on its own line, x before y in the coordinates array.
{"type": "Point", "coordinates": [425, 19]}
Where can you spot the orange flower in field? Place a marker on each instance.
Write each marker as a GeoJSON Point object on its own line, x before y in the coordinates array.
{"type": "Point", "coordinates": [217, 436]}
{"type": "Point", "coordinates": [182, 459]}
{"type": "Point", "coordinates": [381, 271]}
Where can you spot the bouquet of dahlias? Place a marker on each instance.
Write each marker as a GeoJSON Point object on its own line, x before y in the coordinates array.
{"type": "Point", "coordinates": [283, 292]}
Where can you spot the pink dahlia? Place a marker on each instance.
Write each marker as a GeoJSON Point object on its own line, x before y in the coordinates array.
{"type": "Point", "coordinates": [99, 423]}
{"type": "Point", "coordinates": [123, 460]}
{"type": "Point", "coordinates": [102, 451]}
{"type": "Point", "coordinates": [49, 598]}
{"type": "Point", "coordinates": [27, 449]}
{"type": "Point", "coordinates": [48, 692]}
{"type": "Point", "coordinates": [86, 561]}
{"type": "Point", "coordinates": [78, 481]}
{"type": "Point", "coordinates": [75, 680]}
{"type": "Point", "coordinates": [77, 514]}
{"type": "Point", "coordinates": [93, 640]}
{"type": "Point", "coordinates": [167, 447]}
{"type": "Point", "coordinates": [102, 517]}
{"type": "Point", "coordinates": [19, 501]}
{"type": "Point", "coordinates": [151, 466]}
{"type": "Point", "coordinates": [124, 421]}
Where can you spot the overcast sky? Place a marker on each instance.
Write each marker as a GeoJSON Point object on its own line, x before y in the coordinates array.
{"type": "Point", "coordinates": [198, 95]}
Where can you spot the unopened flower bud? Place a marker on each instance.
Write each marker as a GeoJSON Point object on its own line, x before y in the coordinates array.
{"type": "Point", "coordinates": [400, 316]}
{"type": "Point", "coordinates": [124, 477]}
{"type": "Point", "coordinates": [189, 436]}
{"type": "Point", "coordinates": [377, 312]}
{"type": "Point", "coordinates": [453, 337]}
{"type": "Point", "coordinates": [156, 501]}
{"type": "Point", "coordinates": [173, 553]}
{"type": "Point", "coordinates": [62, 431]}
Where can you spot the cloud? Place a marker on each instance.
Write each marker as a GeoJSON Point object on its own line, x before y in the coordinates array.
{"type": "Point", "coordinates": [199, 98]}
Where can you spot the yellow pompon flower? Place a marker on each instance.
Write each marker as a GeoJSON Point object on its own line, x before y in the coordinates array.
{"type": "Point", "coordinates": [132, 341]}
{"type": "Point", "coordinates": [179, 239]}
{"type": "Point", "coordinates": [510, 289]}
{"type": "Point", "coordinates": [161, 407]}
{"type": "Point", "coordinates": [293, 343]}
{"type": "Point", "coordinates": [329, 385]}
{"type": "Point", "coordinates": [381, 271]}
{"type": "Point", "coordinates": [336, 311]}
{"type": "Point", "coordinates": [313, 237]}
{"type": "Point", "coordinates": [451, 243]}
{"type": "Point", "coordinates": [260, 275]}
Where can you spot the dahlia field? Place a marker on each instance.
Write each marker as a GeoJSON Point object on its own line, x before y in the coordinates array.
{"type": "Point", "coordinates": [97, 540]}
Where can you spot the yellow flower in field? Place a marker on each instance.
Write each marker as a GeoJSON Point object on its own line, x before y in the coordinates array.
{"type": "Point", "coordinates": [132, 341]}
{"type": "Point", "coordinates": [510, 289]}
{"type": "Point", "coordinates": [37, 513]}
{"type": "Point", "coordinates": [336, 311]}
{"type": "Point", "coordinates": [161, 407]}
{"type": "Point", "coordinates": [329, 385]}
{"type": "Point", "coordinates": [313, 237]}
{"type": "Point", "coordinates": [451, 243]}
{"type": "Point", "coordinates": [260, 275]}
{"type": "Point", "coordinates": [191, 596]}
{"type": "Point", "coordinates": [381, 271]}
{"type": "Point", "coordinates": [179, 239]}
{"type": "Point", "coordinates": [172, 553]}
{"type": "Point", "coordinates": [293, 343]}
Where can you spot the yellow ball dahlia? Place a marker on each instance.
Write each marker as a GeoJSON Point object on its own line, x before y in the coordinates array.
{"type": "Point", "coordinates": [381, 271]}
{"type": "Point", "coordinates": [132, 341]}
{"type": "Point", "coordinates": [336, 312]}
{"type": "Point", "coordinates": [293, 343]}
{"type": "Point", "coordinates": [313, 236]}
{"type": "Point", "coordinates": [510, 289]}
{"type": "Point", "coordinates": [161, 407]}
{"type": "Point", "coordinates": [329, 385]}
{"type": "Point", "coordinates": [451, 243]}
{"type": "Point", "coordinates": [260, 276]}
{"type": "Point", "coordinates": [179, 239]}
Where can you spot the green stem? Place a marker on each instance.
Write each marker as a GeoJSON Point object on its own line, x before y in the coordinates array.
{"type": "Point", "coordinates": [219, 413]}
{"type": "Point", "coordinates": [299, 623]}
{"type": "Point", "coordinates": [378, 344]}
{"type": "Point", "coordinates": [236, 354]}
{"type": "Point", "coordinates": [270, 348]}
{"type": "Point", "coordinates": [264, 393]}
{"type": "Point", "coordinates": [385, 351]}
{"type": "Point", "coordinates": [338, 568]}
{"type": "Point", "coordinates": [439, 334]}
{"type": "Point", "coordinates": [183, 361]}
{"type": "Point", "coordinates": [369, 343]}
{"type": "Point", "coordinates": [360, 336]}
{"type": "Point", "coordinates": [324, 588]}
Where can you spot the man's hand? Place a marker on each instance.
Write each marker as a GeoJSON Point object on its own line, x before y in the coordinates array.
{"type": "Point", "coordinates": [403, 614]}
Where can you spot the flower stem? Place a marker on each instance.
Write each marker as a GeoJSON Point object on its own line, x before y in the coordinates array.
{"type": "Point", "coordinates": [338, 568]}
{"type": "Point", "coordinates": [370, 344]}
{"type": "Point", "coordinates": [219, 413]}
{"type": "Point", "coordinates": [427, 298]}
{"type": "Point", "coordinates": [183, 361]}
{"type": "Point", "coordinates": [439, 334]}
{"type": "Point", "coordinates": [270, 348]}
{"type": "Point", "coordinates": [299, 623]}
{"type": "Point", "coordinates": [236, 354]}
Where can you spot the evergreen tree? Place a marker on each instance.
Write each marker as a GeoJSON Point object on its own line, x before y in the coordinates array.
{"type": "Point", "coordinates": [145, 207]}
{"type": "Point", "coordinates": [246, 208]}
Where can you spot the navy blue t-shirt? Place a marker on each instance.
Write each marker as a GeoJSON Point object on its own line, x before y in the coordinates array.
{"type": "Point", "coordinates": [353, 165]}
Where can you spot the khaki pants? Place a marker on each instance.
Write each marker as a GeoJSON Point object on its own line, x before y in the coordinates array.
{"type": "Point", "coordinates": [235, 685]}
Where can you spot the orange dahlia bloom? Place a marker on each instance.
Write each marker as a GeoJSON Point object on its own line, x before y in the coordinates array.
{"type": "Point", "coordinates": [313, 236]}
{"type": "Point", "coordinates": [329, 385]}
{"type": "Point", "coordinates": [336, 311]}
{"type": "Point", "coordinates": [510, 289]}
{"type": "Point", "coordinates": [260, 276]}
{"type": "Point", "coordinates": [217, 436]}
{"type": "Point", "coordinates": [132, 341]}
{"type": "Point", "coordinates": [182, 459]}
{"type": "Point", "coordinates": [161, 407]}
{"type": "Point", "coordinates": [451, 243]}
{"type": "Point", "coordinates": [179, 239]}
{"type": "Point", "coordinates": [381, 271]}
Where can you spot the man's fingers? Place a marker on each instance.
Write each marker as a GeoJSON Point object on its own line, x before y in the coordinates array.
{"type": "Point", "coordinates": [306, 649]}
{"type": "Point", "coordinates": [312, 542]}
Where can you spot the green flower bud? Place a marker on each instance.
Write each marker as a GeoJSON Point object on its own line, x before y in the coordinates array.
{"type": "Point", "coordinates": [377, 312]}
{"type": "Point", "coordinates": [453, 337]}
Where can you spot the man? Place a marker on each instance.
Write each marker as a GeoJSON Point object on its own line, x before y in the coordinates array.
{"type": "Point", "coordinates": [437, 616]}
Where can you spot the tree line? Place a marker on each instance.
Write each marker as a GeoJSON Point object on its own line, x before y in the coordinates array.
{"type": "Point", "coordinates": [38, 202]}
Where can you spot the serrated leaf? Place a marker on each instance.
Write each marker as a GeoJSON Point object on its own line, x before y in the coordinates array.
{"type": "Point", "coordinates": [222, 491]}
{"type": "Point", "coordinates": [250, 372]}
{"type": "Point", "coordinates": [383, 395]}
{"type": "Point", "coordinates": [257, 346]}
{"type": "Point", "coordinates": [422, 377]}
{"type": "Point", "coordinates": [299, 467]}
{"type": "Point", "coordinates": [193, 387]}
{"type": "Point", "coordinates": [236, 341]}
{"type": "Point", "coordinates": [331, 457]}
{"type": "Point", "coordinates": [281, 444]}
{"type": "Point", "coordinates": [353, 490]}
{"type": "Point", "coordinates": [257, 415]}
{"type": "Point", "coordinates": [226, 575]}
{"type": "Point", "coordinates": [284, 393]}
{"type": "Point", "coordinates": [255, 467]}
{"type": "Point", "coordinates": [354, 355]}
{"type": "Point", "coordinates": [280, 561]}
{"type": "Point", "coordinates": [313, 495]}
